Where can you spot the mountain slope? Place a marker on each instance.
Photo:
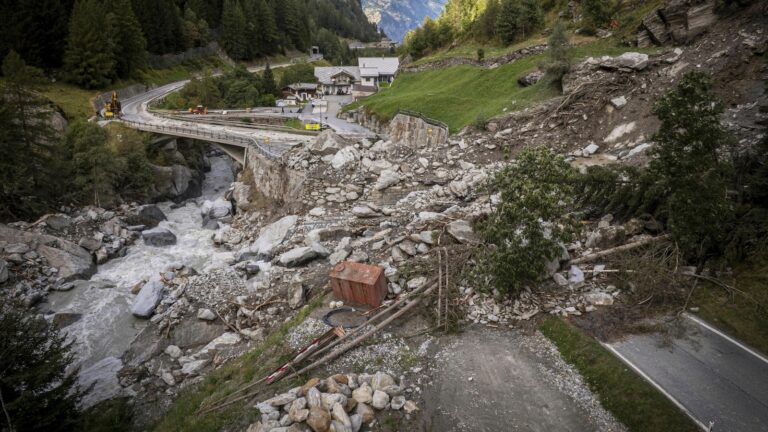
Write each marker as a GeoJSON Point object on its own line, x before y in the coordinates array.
{"type": "Point", "coordinates": [397, 17]}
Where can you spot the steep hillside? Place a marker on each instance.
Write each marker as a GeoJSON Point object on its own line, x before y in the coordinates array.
{"type": "Point", "coordinates": [398, 17]}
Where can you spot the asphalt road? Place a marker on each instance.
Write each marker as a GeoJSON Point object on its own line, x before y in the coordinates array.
{"type": "Point", "coordinates": [712, 377]}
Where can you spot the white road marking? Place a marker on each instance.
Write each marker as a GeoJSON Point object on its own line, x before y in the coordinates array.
{"type": "Point", "coordinates": [654, 384]}
{"type": "Point", "coordinates": [709, 327]}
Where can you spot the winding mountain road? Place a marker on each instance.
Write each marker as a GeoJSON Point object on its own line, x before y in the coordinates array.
{"type": "Point", "coordinates": [710, 376]}
{"type": "Point", "coordinates": [235, 141]}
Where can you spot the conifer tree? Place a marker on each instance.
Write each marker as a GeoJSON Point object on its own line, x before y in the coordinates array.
{"type": "Point", "coordinates": [90, 56]}
{"type": "Point", "coordinates": [267, 28]}
{"type": "Point", "coordinates": [268, 84]}
{"type": "Point", "coordinates": [234, 30]}
{"type": "Point", "coordinates": [94, 167]}
{"type": "Point", "coordinates": [130, 44]}
{"type": "Point", "coordinates": [508, 22]}
{"type": "Point", "coordinates": [27, 143]}
{"type": "Point", "coordinates": [37, 392]}
{"type": "Point", "coordinates": [161, 22]}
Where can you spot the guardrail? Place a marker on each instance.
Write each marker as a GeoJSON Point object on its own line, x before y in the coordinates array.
{"type": "Point", "coordinates": [426, 119]}
{"type": "Point", "coordinates": [206, 135]}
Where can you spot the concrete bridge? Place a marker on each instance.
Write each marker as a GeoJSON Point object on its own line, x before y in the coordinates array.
{"type": "Point", "coordinates": [235, 145]}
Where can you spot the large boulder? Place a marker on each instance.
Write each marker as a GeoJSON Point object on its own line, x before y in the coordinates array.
{"type": "Point", "coordinates": [72, 261]}
{"type": "Point", "coordinates": [158, 237]}
{"type": "Point", "coordinates": [327, 143]}
{"type": "Point", "coordinates": [530, 78]}
{"type": "Point", "coordinates": [220, 209]}
{"type": "Point", "coordinates": [344, 157]}
{"type": "Point", "coordinates": [175, 182]}
{"type": "Point", "coordinates": [241, 193]}
{"type": "Point", "coordinates": [302, 255]}
{"type": "Point", "coordinates": [102, 376]}
{"type": "Point", "coordinates": [627, 61]}
{"type": "Point", "coordinates": [462, 231]}
{"type": "Point", "coordinates": [270, 237]}
{"type": "Point", "coordinates": [386, 179]}
{"type": "Point", "coordinates": [148, 215]}
{"type": "Point", "coordinates": [149, 297]}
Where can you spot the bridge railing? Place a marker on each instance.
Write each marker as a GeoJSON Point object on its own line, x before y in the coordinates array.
{"type": "Point", "coordinates": [203, 134]}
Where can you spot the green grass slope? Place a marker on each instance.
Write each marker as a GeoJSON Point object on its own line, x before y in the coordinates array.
{"type": "Point", "coordinates": [460, 95]}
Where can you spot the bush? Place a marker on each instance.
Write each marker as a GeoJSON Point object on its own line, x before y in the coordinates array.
{"type": "Point", "coordinates": [531, 222]}
{"type": "Point", "coordinates": [37, 393]}
{"type": "Point", "coordinates": [480, 54]}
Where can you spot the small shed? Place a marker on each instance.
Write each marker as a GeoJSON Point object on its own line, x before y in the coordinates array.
{"type": "Point", "coordinates": [359, 283]}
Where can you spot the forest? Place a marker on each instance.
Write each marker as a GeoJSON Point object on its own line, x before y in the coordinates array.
{"type": "Point", "coordinates": [93, 43]}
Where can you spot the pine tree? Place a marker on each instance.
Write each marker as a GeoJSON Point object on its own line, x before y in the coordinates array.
{"type": "Point", "coordinates": [557, 62]}
{"type": "Point", "coordinates": [267, 28]}
{"type": "Point", "coordinates": [161, 22]}
{"type": "Point", "coordinates": [597, 13]}
{"type": "Point", "coordinates": [27, 143]}
{"type": "Point", "coordinates": [691, 175]}
{"type": "Point", "coordinates": [90, 56]}
{"type": "Point", "coordinates": [234, 30]}
{"type": "Point", "coordinates": [532, 18]}
{"type": "Point", "coordinates": [37, 392]}
{"type": "Point", "coordinates": [508, 25]}
{"type": "Point", "coordinates": [487, 22]}
{"type": "Point", "coordinates": [36, 29]}
{"type": "Point", "coordinates": [95, 170]}
{"type": "Point", "coordinates": [130, 44]}
{"type": "Point", "coordinates": [268, 84]}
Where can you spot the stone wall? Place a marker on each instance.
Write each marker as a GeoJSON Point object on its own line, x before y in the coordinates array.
{"type": "Point", "coordinates": [273, 179]}
{"type": "Point", "coordinates": [416, 131]}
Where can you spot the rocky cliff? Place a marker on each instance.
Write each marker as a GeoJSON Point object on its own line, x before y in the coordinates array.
{"type": "Point", "coordinates": [398, 17]}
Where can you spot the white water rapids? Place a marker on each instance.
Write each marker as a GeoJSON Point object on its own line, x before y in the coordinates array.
{"type": "Point", "coordinates": [107, 326]}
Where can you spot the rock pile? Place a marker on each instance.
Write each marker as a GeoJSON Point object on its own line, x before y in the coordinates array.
{"type": "Point", "coordinates": [340, 403]}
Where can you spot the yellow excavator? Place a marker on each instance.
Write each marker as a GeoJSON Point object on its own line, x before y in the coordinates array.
{"type": "Point", "coordinates": [113, 109]}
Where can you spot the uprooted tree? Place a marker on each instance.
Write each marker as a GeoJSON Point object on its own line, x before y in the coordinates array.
{"type": "Point", "coordinates": [531, 221]}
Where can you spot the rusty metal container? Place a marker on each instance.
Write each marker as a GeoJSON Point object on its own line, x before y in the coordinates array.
{"type": "Point", "coordinates": [359, 283]}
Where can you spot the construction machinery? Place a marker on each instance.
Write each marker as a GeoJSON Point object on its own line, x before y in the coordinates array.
{"type": "Point", "coordinates": [198, 110]}
{"type": "Point", "coordinates": [113, 108]}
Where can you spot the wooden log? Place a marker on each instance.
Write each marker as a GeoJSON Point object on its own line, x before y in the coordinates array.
{"type": "Point", "coordinates": [622, 248]}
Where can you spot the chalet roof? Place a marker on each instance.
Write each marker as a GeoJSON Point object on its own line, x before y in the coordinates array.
{"type": "Point", "coordinates": [325, 74]}
{"type": "Point", "coordinates": [369, 72]}
{"type": "Point", "coordinates": [385, 65]}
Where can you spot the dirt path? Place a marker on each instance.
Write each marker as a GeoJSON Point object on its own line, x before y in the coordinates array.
{"type": "Point", "coordinates": [488, 381]}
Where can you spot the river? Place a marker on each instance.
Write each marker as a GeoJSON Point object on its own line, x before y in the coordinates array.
{"type": "Point", "coordinates": [107, 326]}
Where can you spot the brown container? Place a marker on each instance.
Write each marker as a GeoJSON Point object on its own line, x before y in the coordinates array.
{"type": "Point", "coordinates": [359, 283]}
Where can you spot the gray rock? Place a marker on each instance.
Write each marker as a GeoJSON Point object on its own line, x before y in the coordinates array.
{"type": "Point", "coordinates": [149, 297]}
{"type": "Point", "coordinates": [71, 261]}
{"type": "Point", "coordinates": [16, 248]}
{"type": "Point", "coordinates": [599, 298]}
{"type": "Point", "coordinates": [386, 179]}
{"type": "Point", "coordinates": [302, 255]}
{"type": "Point", "coordinates": [530, 78]}
{"type": "Point", "coordinates": [629, 60]}
{"type": "Point", "coordinates": [462, 231]}
{"type": "Point", "coordinates": [158, 237]}
{"type": "Point", "coordinates": [327, 143]}
{"type": "Point", "coordinates": [241, 193]}
{"type": "Point", "coordinates": [205, 314]}
{"type": "Point", "coordinates": [148, 215]}
{"type": "Point", "coordinates": [173, 351]}
{"type": "Point", "coordinates": [194, 367]}
{"type": "Point", "coordinates": [357, 422]}
{"type": "Point", "coordinates": [381, 380]}
{"type": "Point", "coordinates": [397, 402]}
{"type": "Point", "coordinates": [380, 400]}
{"type": "Point", "coordinates": [296, 295]}
{"type": "Point", "coordinates": [365, 212]}
{"type": "Point", "coordinates": [90, 243]}
{"type": "Point", "coordinates": [168, 378]}
{"type": "Point", "coordinates": [270, 237]}
{"type": "Point", "coordinates": [220, 209]}
{"type": "Point", "coordinates": [103, 377]}
{"type": "Point", "coordinates": [4, 275]}
{"type": "Point", "coordinates": [344, 157]}
{"type": "Point", "coordinates": [576, 277]}
{"type": "Point", "coordinates": [619, 102]}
